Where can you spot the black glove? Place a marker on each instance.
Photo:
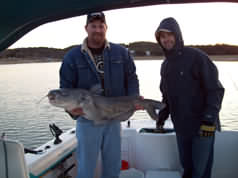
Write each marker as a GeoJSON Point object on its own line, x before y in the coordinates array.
{"type": "Point", "coordinates": [207, 129]}
{"type": "Point", "coordinates": [160, 127]}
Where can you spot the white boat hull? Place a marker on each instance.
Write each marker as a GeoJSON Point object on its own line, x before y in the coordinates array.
{"type": "Point", "coordinates": [149, 154]}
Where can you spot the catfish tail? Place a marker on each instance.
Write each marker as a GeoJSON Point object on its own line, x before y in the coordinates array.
{"type": "Point", "coordinates": [152, 106]}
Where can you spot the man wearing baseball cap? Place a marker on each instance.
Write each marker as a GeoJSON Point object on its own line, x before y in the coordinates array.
{"type": "Point", "coordinates": [98, 62]}
{"type": "Point", "coordinates": [96, 16]}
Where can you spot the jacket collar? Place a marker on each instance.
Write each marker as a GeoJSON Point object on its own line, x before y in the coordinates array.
{"type": "Point", "coordinates": [86, 49]}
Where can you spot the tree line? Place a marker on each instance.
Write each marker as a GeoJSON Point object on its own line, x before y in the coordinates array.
{"type": "Point", "coordinates": [136, 48]}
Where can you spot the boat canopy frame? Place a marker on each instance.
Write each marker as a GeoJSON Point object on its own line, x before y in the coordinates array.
{"type": "Point", "coordinates": [18, 17]}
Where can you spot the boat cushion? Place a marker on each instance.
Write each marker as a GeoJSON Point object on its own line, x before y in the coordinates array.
{"type": "Point", "coordinates": [131, 173]}
{"type": "Point", "coordinates": [12, 162]}
{"type": "Point", "coordinates": [162, 174]}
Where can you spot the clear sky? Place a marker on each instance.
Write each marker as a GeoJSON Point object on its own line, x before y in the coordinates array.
{"type": "Point", "coordinates": [201, 24]}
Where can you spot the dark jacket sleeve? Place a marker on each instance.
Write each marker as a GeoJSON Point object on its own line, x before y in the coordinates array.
{"type": "Point", "coordinates": [68, 73]}
{"type": "Point", "coordinates": [131, 80]}
{"type": "Point", "coordinates": [163, 114]}
{"type": "Point", "coordinates": [213, 89]}
{"type": "Point", "coordinates": [68, 77]}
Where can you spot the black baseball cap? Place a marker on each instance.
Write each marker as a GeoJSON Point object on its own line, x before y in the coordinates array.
{"type": "Point", "coordinates": [96, 16]}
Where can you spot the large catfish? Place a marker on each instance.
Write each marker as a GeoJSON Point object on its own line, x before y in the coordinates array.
{"type": "Point", "coordinates": [102, 109]}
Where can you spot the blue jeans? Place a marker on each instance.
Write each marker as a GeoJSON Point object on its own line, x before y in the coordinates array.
{"type": "Point", "coordinates": [93, 138]}
{"type": "Point", "coordinates": [196, 155]}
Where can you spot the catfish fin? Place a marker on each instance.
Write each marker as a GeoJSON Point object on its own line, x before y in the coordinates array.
{"type": "Point", "coordinates": [155, 105]}
{"type": "Point", "coordinates": [96, 89]}
{"type": "Point", "coordinates": [124, 116]}
{"type": "Point", "coordinates": [152, 113]}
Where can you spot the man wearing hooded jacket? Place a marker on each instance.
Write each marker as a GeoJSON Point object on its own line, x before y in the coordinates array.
{"type": "Point", "coordinates": [193, 93]}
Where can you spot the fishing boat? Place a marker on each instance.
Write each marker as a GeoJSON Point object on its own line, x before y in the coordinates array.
{"type": "Point", "coordinates": [145, 153]}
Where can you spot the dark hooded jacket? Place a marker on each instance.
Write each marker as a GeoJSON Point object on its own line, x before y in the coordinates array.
{"type": "Point", "coordinates": [189, 84]}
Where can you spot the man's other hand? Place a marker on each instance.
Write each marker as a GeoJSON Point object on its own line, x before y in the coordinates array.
{"type": "Point", "coordinates": [139, 107]}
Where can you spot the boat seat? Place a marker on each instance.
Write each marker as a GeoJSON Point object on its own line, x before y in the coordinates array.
{"type": "Point", "coordinates": [162, 174]}
{"type": "Point", "coordinates": [12, 162]}
{"type": "Point", "coordinates": [131, 173]}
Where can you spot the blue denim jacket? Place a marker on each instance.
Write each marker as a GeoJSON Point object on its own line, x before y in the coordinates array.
{"type": "Point", "coordinates": [78, 71]}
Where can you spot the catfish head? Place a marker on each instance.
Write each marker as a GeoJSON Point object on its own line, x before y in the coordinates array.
{"type": "Point", "coordinates": [69, 99]}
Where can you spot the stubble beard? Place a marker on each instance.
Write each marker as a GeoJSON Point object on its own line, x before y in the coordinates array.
{"type": "Point", "coordinates": [168, 45]}
{"type": "Point", "coordinates": [98, 39]}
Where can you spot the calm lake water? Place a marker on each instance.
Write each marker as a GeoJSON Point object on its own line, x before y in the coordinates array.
{"type": "Point", "coordinates": [23, 85]}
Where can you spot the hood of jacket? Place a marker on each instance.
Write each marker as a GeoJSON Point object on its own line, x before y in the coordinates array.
{"type": "Point", "coordinates": [171, 25]}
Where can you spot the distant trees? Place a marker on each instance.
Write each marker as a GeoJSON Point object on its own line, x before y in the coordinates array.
{"type": "Point", "coordinates": [219, 49]}
{"type": "Point", "coordinates": [138, 49]}
{"type": "Point", "coordinates": [41, 52]}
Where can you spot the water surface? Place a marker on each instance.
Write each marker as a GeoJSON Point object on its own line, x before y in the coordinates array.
{"type": "Point", "coordinates": [23, 85]}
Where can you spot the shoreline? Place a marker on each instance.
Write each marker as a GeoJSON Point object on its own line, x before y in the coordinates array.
{"type": "Point", "coordinates": [223, 58]}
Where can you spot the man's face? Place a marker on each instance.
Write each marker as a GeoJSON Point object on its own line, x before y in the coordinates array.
{"type": "Point", "coordinates": [167, 40]}
{"type": "Point", "coordinates": [96, 32]}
